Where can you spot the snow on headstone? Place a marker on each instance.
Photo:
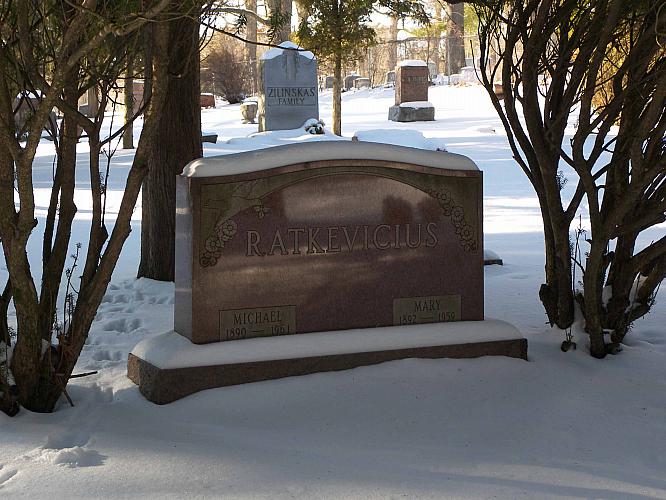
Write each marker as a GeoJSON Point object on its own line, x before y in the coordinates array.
{"type": "Point", "coordinates": [288, 91]}
{"type": "Point", "coordinates": [491, 258]}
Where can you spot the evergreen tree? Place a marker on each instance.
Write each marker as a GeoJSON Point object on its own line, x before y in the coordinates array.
{"type": "Point", "coordinates": [339, 31]}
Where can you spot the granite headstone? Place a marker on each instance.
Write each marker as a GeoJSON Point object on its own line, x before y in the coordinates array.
{"type": "Point", "coordinates": [288, 90]}
{"type": "Point", "coordinates": [329, 245]}
{"type": "Point", "coordinates": [316, 237]}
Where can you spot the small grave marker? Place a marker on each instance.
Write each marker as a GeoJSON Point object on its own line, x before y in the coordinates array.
{"type": "Point", "coordinates": [411, 93]}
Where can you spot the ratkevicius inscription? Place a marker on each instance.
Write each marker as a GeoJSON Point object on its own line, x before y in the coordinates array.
{"type": "Point", "coordinates": [334, 239]}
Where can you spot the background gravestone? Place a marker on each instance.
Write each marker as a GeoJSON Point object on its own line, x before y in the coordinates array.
{"type": "Point", "coordinates": [411, 93]}
{"type": "Point", "coordinates": [361, 83]}
{"type": "Point", "coordinates": [349, 81]}
{"type": "Point", "coordinates": [288, 91]}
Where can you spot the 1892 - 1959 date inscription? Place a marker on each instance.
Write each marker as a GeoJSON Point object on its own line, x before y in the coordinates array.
{"type": "Point", "coordinates": [433, 309]}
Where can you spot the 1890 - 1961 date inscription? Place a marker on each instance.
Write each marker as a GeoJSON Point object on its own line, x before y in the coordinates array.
{"type": "Point", "coordinates": [433, 309]}
{"type": "Point", "coordinates": [257, 322]}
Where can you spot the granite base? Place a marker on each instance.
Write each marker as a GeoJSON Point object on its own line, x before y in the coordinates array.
{"type": "Point", "coordinates": [411, 114]}
{"type": "Point", "coordinates": [163, 381]}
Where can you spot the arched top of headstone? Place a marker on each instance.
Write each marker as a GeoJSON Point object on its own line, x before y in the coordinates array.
{"type": "Point", "coordinates": [412, 63]}
{"type": "Point", "coordinates": [323, 150]}
{"type": "Point", "coordinates": [280, 49]}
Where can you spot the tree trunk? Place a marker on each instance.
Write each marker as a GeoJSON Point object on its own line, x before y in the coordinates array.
{"type": "Point", "coordinates": [592, 308]}
{"type": "Point", "coordinates": [5, 299]}
{"type": "Point", "coordinates": [393, 44]}
{"type": "Point", "coordinates": [178, 141]}
{"type": "Point", "coordinates": [283, 7]}
{"type": "Point", "coordinates": [302, 11]}
{"type": "Point", "coordinates": [286, 27]}
{"type": "Point", "coordinates": [337, 96]}
{"type": "Point", "coordinates": [147, 35]}
{"type": "Point", "coordinates": [128, 98]}
{"type": "Point", "coordinates": [251, 48]}
{"type": "Point", "coordinates": [456, 43]}
{"type": "Point", "coordinates": [437, 39]}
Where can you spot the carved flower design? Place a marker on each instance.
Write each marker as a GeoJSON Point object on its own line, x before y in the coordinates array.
{"type": "Point", "coordinates": [213, 244]}
{"type": "Point", "coordinates": [226, 229]}
{"type": "Point", "coordinates": [457, 215]}
{"type": "Point", "coordinates": [261, 210]}
{"type": "Point", "coordinates": [443, 197]}
{"type": "Point", "coordinates": [207, 259]}
{"type": "Point", "coordinates": [463, 230]}
{"type": "Point", "coordinates": [466, 232]}
{"type": "Point", "coordinates": [470, 246]}
{"type": "Point", "coordinates": [446, 209]}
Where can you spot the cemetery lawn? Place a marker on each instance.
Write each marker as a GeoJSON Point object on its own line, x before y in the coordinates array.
{"type": "Point", "coordinates": [558, 425]}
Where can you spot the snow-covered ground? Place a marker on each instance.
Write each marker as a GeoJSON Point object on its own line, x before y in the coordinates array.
{"type": "Point", "coordinates": [559, 425]}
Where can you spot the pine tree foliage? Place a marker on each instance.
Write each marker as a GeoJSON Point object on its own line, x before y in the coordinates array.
{"type": "Point", "coordinates": [339, 31]}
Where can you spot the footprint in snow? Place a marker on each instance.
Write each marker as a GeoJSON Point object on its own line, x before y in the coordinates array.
{"type": "Point", "coordinates": [75, 456]}
{"type": "Point", "coordinates": [6, 474]}
{"type": "Point", "coordinates": [122, 325]}
{"type": "Point", "coordinates": [120, 299]}
{"type": "Point", "coordinates": [115, 325]}
{"type": "Point", "coordinates": [106, 355]}
{"type": "Point", "coordinates": [67, 439]}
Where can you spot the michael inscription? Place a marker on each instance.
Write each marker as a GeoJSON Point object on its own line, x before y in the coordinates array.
{"type": "Point", "coordinates": [257, 322]}
{"type": "Point", "coordinates": [433, 309]}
